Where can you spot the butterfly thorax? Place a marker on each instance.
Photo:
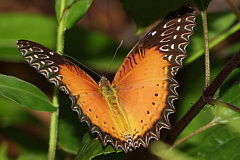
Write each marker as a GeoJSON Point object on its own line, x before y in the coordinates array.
{"type": "Point", "coordinates": [118, 113]}
{"type": "Point", "coordinates": [107, 89]}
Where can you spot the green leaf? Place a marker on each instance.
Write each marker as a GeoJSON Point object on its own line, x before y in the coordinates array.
{"type": "Point", "coordinates": [90, 148]}
{"type": "Point", "coordinates": [60, 5]}
{"type": "Point", "coordinates": [202, 4]}
{"type": "Point", "coordinates": [221, 144]}
{"type": "Point", "coordinates": [232, 96]}
{"type": "Point", "coordinates": [15, 26]}
{"type": "Point", "coordinates": [145, 12]}
{"type": "Point", "coordinates": [25, 94]}
{"type": "Point", "coordinates": [11, 114]}
{"type": "Point", "coordinates": [231, 80]}
{"type": "Point", "coordinates": [70, 11]}
{"type": "Point", "coordinates": [163, 151]}
{"type": "Point", "coordinates": [76, 12]}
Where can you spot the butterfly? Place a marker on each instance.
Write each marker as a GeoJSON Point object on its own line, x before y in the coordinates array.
{"type": "Point", "coordinates": [133, 108]}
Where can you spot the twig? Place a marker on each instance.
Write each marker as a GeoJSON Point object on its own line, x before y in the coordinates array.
{"type": "Point", "coordinates": [203, 128]}
{"type": "Point", "coordinates": [225, 104]}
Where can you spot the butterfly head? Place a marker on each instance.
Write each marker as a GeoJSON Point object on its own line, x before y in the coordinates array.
{"type": "Point", "coordinates": [103, 81]}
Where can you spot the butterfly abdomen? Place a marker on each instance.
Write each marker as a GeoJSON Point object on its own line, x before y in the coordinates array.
{"type": "Point", "coordinates": [118, 113]}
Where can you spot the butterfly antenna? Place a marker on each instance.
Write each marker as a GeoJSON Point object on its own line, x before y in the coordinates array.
{"type": "Point", "coordinates": [82, 64]}
{"type": "Point", "coordinates": [113, 57]}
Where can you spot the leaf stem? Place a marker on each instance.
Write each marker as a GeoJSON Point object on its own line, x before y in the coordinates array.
{"type": "Point", "coordinates": [224, 104]}
{"type": "Point", "coordinates": [203, 128]}
{"type": "Point", "coordinates": [206, 50]}
{"type": "Point", "coordinates": [54, 115]}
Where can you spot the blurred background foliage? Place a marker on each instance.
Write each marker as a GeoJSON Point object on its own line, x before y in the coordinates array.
{"type": "Point", "coordinates": [93, 41]}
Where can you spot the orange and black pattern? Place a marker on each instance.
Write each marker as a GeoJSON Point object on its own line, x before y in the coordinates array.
{"type": "Point", "coordinates": [133, 108]}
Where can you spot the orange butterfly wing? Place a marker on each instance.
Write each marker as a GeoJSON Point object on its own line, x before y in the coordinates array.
{"type": "Point", "coordinates": [84, 92]}
{"type": "Point", "coordinates": [144, 82]}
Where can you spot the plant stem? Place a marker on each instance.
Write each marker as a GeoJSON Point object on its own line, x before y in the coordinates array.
{"type": "Point", "coordinates": [53, 127]}
{"type": "Point", "coordinates": [61, 29]}
{"type": "Point", "coordinates": [54, 115]}
{"type": "Point", "coordinates": [206, 50]}
{"type": "Point", "coordinates": [203, 128]}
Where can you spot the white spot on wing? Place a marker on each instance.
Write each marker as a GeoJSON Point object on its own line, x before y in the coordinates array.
{"type": "Point", "coordinates": [54, 68]}
{"type": "Point", "coordinates": [167, 32]}
{"type": "Point", "coordinates": [169, 24]}
{"type": "Point", "coordinates": [153, 33]}
{"type": "Point", "coordinates": [164, 49]}
{"type": "Point", "coordinates": [23, 51]}
{"type": "Point", "coordinates": [170, 58]}
{"type": "Point", "coordinates": [165, 39]}
{"type": "Point", "coordinates": [50, 70]}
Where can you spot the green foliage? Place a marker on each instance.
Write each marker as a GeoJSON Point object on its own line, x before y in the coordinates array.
{"type": "Point", "coordinates": [25, 94]}
{"type": "Point", "coordinates": [145, 12]}
{"type": "Point", "coordinates": [162, 151]}
{"type": "Point", "coordinates": [222, 143]}
{"type": "Point", "coordinates": [96, 50]}
{"type": "Point", "coordinates": [70, 11]}
{"type": "Point", "coordinates": [90, 148]}
{"type": "Point", "coordinates": [11, 114]}
{"type": "Point", "coordinates": [17, 26]}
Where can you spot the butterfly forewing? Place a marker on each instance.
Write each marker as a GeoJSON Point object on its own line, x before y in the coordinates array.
{"type": "Point", "coordinates": [144, 82]}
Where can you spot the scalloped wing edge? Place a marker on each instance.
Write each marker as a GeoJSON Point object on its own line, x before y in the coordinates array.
{"type": "Point", "coordinates": [153, 133]}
